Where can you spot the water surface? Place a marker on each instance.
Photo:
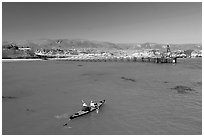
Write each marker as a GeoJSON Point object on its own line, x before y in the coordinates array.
{"type": "Point", "coordinates": [141, 98]}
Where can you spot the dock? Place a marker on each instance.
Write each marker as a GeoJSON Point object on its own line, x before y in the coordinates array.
{"type": "Point", "coordinates": [119, 59]}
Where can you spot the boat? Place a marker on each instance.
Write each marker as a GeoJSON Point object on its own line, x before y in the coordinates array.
{"type": "Point", "coordinates": [81, 113]}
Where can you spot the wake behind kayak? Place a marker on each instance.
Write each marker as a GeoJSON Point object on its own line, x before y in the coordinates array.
{"type": "Point", "coordinates": [81, 113]}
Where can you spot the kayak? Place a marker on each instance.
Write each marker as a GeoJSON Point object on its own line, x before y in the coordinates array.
{"type": "Point", "coordinates": [81, 113]}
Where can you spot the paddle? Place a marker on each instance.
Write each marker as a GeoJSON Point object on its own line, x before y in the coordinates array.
{"type": "Point", "coordinates": [82, 101]}
{"type": "Point", "coordinates": [66, 124]}
{"type": "Point", "coordinates": [97, 108]}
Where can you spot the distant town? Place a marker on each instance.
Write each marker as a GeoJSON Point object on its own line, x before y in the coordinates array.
{"type": "Point", "coordinates": [14, 51]}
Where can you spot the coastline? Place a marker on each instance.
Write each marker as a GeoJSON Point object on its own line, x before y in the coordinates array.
{"type": "Point", "coordinates": [17, 60]}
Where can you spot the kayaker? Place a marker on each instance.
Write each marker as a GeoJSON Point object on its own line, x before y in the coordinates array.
{"type": "Point", "coordinates": [92, 104]}
{"type": "Point", "coordinates": [85, 107]}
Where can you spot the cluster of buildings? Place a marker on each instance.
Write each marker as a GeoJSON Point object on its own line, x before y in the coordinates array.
{"type": "Point", "coordinates": [97, 55]}
{"type": "Point", "coordinates": [105, 54]}
{"type": "Point", "coordinates": [196, 53]}
{"type": "Point", "coordinates": [15, 47]}
{"type": "Point", "coordinates": [91, 53]}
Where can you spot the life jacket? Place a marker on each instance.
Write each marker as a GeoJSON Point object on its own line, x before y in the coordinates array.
{"type": "Point", "coordinates": [84, 105]}
{"type": "Point", "coordinates": [92, 104]}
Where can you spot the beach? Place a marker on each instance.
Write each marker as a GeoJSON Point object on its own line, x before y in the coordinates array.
{"type": "Point", "coordinates": [141, 98]}
{"type": "Point", "coordinates": [17, 60]}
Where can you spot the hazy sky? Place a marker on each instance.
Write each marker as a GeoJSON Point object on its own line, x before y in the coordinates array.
{"type": "Point", "coordinates": [113, 22]}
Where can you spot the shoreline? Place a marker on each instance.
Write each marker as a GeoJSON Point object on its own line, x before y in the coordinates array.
{"type": "Point", "coordinates": [88, 60]}
{"type": "Point", "coordinates": [17, 60]}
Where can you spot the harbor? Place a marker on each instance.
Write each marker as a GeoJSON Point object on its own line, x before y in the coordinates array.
{"type": "Point", "coordinates": [102, 68]}
{"type": "Point", "coordinates": [150, 55]}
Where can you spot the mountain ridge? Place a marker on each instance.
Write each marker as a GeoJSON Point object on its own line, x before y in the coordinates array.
{"type": "Point", "coordinates": [84, 43]}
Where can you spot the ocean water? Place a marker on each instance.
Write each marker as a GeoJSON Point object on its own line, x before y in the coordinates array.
{"type": "Point", "coordinates": [141, 98]}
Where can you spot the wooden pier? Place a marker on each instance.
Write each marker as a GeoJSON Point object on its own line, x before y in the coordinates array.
{"type": "Point", "coordinates": [116, 59]}
{"type": "Point", "coordinates": [160, 60]}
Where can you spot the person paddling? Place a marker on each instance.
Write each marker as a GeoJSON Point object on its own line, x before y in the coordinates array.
{"type": "Point", "coordinates": [84, 106]}
{"type": "Point", "coordinates": [94, 105]}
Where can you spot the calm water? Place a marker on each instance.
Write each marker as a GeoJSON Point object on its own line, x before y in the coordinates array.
{"type": "Point", "coordinates": [140, 98]}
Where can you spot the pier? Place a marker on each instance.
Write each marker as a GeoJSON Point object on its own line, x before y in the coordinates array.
{"type": "Point", "coordinates": [119, 59]}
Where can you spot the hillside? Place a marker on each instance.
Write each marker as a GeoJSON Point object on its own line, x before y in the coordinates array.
{"type": "Point", "coordinates": [79, 43]}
